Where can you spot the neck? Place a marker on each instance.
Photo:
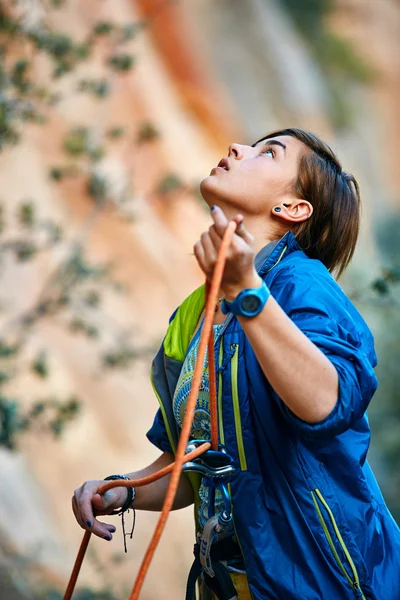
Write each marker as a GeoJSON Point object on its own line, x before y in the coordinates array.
{"type": "Point", "coordinates": [262, 229]}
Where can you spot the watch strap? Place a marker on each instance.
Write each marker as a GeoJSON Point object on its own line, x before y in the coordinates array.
{"type": "Point", "coordinates": [235, 307]}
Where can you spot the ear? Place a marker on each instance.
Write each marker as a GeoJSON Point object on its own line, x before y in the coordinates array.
{"type": "Point", "coordinates": [295, 210]}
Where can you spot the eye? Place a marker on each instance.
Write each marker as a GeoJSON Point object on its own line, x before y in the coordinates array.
{"type": "Point", "coordinates": [270, 151]}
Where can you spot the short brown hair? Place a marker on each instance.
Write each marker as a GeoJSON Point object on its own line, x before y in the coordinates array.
{"type": "Point", "coordinates": [331, 233]}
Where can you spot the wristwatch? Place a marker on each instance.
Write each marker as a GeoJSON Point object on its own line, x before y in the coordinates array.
{"type": "Point", "coordinates": [248, 303]}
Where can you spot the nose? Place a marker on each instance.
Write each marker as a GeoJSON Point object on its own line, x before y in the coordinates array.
{"type": "Point", "coordinates": [237, 151]}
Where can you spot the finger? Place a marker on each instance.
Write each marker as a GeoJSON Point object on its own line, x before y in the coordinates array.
{"type": "Point", "coordinates": [241, 230]}
{"type": "Point", "coordinates": [220, 220]}
{"type": "Point", "coordinates": [84, 517]}
{"type": "Point", "coordinates": [76, 512]}
{"type": "Point", "coordinates": [215, 238]}
{"type": "Point", "coordinates": [200, 256]}
{"type": "Point", "coordinates": [107, 502]}
{"type": "Point", "coordinates": [100, 528]}
{"type": "Point", "coordinates": [84, 498]}
{"type": "Point", "coordinates": [103, 530]}
{"type": "Point", "coordinates": [210, 252]}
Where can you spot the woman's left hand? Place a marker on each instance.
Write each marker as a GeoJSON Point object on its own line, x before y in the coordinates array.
{"type": "Point", "coordinates": [239, 272]}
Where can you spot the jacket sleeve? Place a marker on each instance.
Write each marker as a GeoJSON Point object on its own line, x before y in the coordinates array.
{"type": "Point", "coordinates": [157, 434]}
{"type": "Point", "coordinates": [319, 308]}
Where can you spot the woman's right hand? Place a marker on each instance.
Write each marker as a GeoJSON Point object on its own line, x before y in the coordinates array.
{"type": "Point", "coordinates": [87, 502]}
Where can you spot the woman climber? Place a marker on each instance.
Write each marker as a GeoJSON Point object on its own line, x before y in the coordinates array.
{"type": "Point", "coordinates": [302, 514]}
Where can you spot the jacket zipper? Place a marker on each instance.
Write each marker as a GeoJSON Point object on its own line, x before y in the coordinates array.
{"type": "Point", "coordinates": [219, 400]}
{"type": "Point", "coordinates": [222, 434]}
{"type": "Point", "coordinates": [353, 579]}
{"type": "Point", "coordinates": [236, 407]}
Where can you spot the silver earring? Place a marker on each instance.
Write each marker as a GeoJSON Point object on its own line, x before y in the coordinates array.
{"type": "Point", "coordinates": [277, 209]}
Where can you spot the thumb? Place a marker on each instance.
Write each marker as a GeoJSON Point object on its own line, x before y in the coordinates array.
{"type": "Point", "coordinates": [241, 230]}
{"type": "Point", "coordinates": [103, 502]}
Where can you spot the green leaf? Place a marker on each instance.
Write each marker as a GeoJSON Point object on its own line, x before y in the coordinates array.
{"type": "Point", "coordinates": [120, 357]}
{"type": "Point", "coordinates": [79, 325]}
{"type": "Point", "coordinates": [97, 187]}
{"type": "Point", "coordinates": [58, 45]}
{"type": "Point", "coordinates": [56, 173]}
{"type": "Point", "coordinates": [92, 331]}
{"type": "Point", "coordinates": [381, 286]}
{"type": "Point", "coordinates": [62, 68]}
{"type": "Point", "coordinates": [76, 141]}
{"type": "Point", "coordinates": [147, 133]}
{"type": "Point", "coordinates": [38, 409]}
{"type": "Point", "coordinates": [96, 154]}
{"type": "Point", "coordinates": [10, 422]}
{"type": "Point", "coordinates": [57, 427]}
{"type": "Point", "coordinates": [103, 27]}
{"type": "Point", "coordinates": [170, 183]}
{"type": "Point", "coordinates": [115, 132]}
{"type": "Point", "coordinates": [93, 298]}
{"type": "Point", "coordinates": [18, 76]}
{"type": "Point", "coordinates": [8, 350]}
{"type": "Point", "coordinates": [25, 251]}
{"type": "Point", "coordinates": [5, 376]}
{"type": "Point", "coordinates": [71, 407]}
{"type": "Point", "coordinates": [8, 117]}
{"type": "Point", "coordinates": [82, 51]}
{"type": "Point", "coordinates": [129, 31]}
{"type": "Point", "coordinates": [122, 62]}
{"type": "Point", "coordinates": [54, 231]}
{"type": "Point", "coordinates": [392, 275]}
{"type": "Point", "coordinates": [40, 365]}
{"type": "Point", "coordinates": [26, 214]}
{"type": "Point", "coordinates": [100, 88]}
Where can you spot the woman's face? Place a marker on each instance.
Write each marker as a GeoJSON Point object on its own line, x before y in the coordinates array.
{"type": "Point", "coordinates": [253, 180]}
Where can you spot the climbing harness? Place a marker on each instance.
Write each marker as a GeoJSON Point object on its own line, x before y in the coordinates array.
{"type": "Point", "coordinates": [215, 465]}
{"type": "Point", "coordinates": [217, 469]}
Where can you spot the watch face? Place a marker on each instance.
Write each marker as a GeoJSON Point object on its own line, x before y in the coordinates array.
{"type": "Point", "coordinates": [251, 303]}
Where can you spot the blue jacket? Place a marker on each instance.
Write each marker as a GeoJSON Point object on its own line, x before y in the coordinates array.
{"type": "Point", "coordinates": [308, 512]}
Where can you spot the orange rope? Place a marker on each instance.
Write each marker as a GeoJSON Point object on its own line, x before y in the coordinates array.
{"type": "Point", "coordinates": [207, 338]}
{"type": "Point", "coordinates": [191, 404]}
{"type": "Point", "coordinates": [213, 386]}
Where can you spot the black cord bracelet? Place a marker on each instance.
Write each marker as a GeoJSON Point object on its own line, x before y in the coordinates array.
{"type": "Point", "coordinates": [130, 497]}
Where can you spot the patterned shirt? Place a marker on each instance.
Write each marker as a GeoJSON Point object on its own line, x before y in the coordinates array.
{"type": "Point", "coordinates": [201, 428]}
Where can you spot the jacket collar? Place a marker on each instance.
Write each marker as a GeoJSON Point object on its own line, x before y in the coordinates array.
{"type": "Point", "coordinates": [272, 252]}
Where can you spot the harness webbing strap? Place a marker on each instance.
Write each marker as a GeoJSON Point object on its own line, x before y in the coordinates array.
{"type": "Point", "coordinates": [209, 535]}
{"type": "Point", "coordinates": [220, 584]}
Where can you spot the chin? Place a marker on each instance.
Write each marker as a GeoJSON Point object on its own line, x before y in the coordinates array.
{"type": "Point", "coordinates": [208, 189]}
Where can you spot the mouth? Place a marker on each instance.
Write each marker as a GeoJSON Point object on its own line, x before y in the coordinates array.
{"type": "Point", "coordinates": [224, 164]}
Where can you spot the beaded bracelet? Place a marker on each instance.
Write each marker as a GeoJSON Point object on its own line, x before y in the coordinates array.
{"type": "Point", "coordinates": [130, 497]}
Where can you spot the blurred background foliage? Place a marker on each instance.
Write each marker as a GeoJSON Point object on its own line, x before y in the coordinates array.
{"type": "Point", "coordinates": [74, 291]}
{"type": "Point", "coordinates": [73, 294]}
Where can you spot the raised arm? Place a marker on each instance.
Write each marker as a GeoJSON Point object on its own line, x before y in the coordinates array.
{"type": "Point", "coordinates": [303, 377]}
